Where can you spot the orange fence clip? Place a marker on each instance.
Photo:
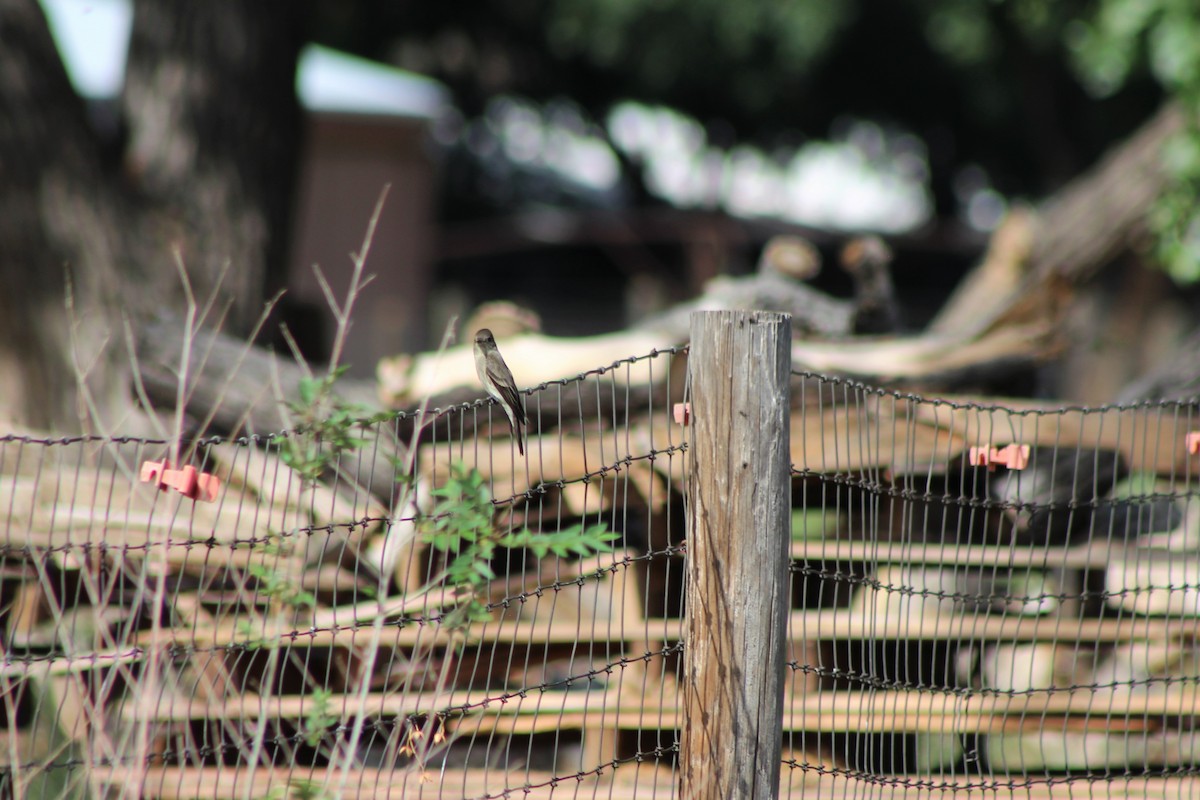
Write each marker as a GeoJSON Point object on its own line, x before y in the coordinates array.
{"type": "Point", "coordinates": [1192, 440]}
{"type": "Point", "coordinates": [1013, 456]}
{"type": "Point", "coordinates": [187, 481]}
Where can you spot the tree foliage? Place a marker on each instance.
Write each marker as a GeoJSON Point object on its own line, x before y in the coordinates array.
{"type": "Point", "coordinates": [1162, 36]}
{"type": "Point", "coordinates": [1032, 91]}
{"type": "Point", "coordinates": [993, 82]}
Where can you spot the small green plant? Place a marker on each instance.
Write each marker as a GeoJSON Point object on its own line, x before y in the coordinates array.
{"type": "Point", "coordinates": [300, 789]}
{"type": "Point", "coordinates": [251, 637]}
{"type": "Point", "coordinates": [325, 426]}
{"type": "Point", "coordinates": [319, 717]}
{"type": "Point", "coordinates": [279, 587]}
{"type": "Point", "coordinates": [274, 584]}
{"type": "Point", "coordinates": [462, 527]}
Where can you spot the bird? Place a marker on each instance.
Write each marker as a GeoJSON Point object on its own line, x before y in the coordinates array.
{"type": "Point", "coordinates": [497, 379]}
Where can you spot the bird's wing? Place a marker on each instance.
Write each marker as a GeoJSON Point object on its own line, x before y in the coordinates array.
{"type": "Point", "coordinates": [502, 377]}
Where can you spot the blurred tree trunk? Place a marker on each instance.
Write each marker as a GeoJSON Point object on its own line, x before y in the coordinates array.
{"type": "Point", "coordinates": [58, 218]}
{"type": "Point", "coordinates": [211, 107]}
{"type": "Point", "coordinates": [212, 121]}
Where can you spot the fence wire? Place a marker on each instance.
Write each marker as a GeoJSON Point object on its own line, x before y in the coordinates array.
{"type": "Point", "coordinates": [1003, 628]}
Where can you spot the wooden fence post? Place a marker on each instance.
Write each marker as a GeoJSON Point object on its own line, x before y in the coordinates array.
{"type": "Point", "coordinates": [738, 537]}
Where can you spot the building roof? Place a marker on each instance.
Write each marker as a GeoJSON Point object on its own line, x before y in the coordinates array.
{"type": "Point", "coordinates": [93, 39]}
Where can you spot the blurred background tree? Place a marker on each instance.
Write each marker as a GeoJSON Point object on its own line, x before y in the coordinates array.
{"type": "Point", "coordinates": [1122, 41]}
{"type": "Point", "coordinates": [992, 82]}
{"type": "Point", "coordinates": [197, 165]}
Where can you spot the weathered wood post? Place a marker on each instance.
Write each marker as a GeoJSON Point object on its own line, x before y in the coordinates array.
{"type": "Point", "coordinates": [738, 535]}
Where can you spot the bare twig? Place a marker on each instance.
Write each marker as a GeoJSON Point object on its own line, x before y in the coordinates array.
{"type": "Point", "coordinates": [189, 319]}
{"type": "Point", "coordinates": [357, 282]}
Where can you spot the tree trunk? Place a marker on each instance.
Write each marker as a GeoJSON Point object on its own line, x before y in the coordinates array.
{"type": "Point", "coordinates": [58, 219]}
{"type": "Point", "coordinates": [211, 105]}
{"type": "Point", "coordinates": [213, 122]}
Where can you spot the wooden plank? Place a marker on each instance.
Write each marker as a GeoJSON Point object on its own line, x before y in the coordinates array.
{"type": "Point", "coordinates": [1111, 786]}
{"type": "Point", "coordinates": [843, 624]}
{"type": "Point", "coordinates": [1097, 555]}
{"type": "Point", "coordinates": [803, 719]}
{"type": "Point", "coordinates": [803, 626]}
{"type": "Point", "coordinates": [883, 711]}
{"type": "Point", "coordinates": [202, 558]}
{"type": "Point", "coordinates": [862, 430]}
{"type": "Point", "coordinates": [1149, 438]}
{"type": "Point", "coordinates": [15, 668]}
{"type": "Point", "coordinates": [235, 783]}
{"type": "Point", "coordinates": [356, 633]}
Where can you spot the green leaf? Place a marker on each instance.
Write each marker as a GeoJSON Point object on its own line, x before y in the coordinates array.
{"type": "Point", "coordinates": [309, 388]}
{"type": "Point", "coordinates": [462, 570]}
{"type": "Point", "coordinates": [1175, 49]}
{"type": "Point", "coordinates": [319, 716]}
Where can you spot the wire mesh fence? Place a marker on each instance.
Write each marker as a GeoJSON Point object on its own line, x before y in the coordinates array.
{"type": "Point", "coordinates": [991, 599]}
{"type": "Point", "coordinates": [320, 639]}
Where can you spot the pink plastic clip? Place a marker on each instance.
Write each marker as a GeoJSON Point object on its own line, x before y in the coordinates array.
{"type": "Point", "coordinates": [187, 481]}
{"type": "Point", "coordinates": [1192, 440]}
{"type": "Point", "coordinates": [683, 413]}
{"type": "Point", "coordinates": [1013, 456]}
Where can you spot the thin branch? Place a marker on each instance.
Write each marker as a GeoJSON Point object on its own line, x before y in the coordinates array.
{"type": "Point", "coordinates": [184, 356]}
{"type": "Point", "coordinates": [356, 282]}
{"type": "Point", "coordinates": [138, 385]}
{"type": "Point", "coordinates": [297, 356]}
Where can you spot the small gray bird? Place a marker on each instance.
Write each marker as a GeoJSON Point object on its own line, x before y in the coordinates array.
{"type": "Point", "coordinates": [497, 379]}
